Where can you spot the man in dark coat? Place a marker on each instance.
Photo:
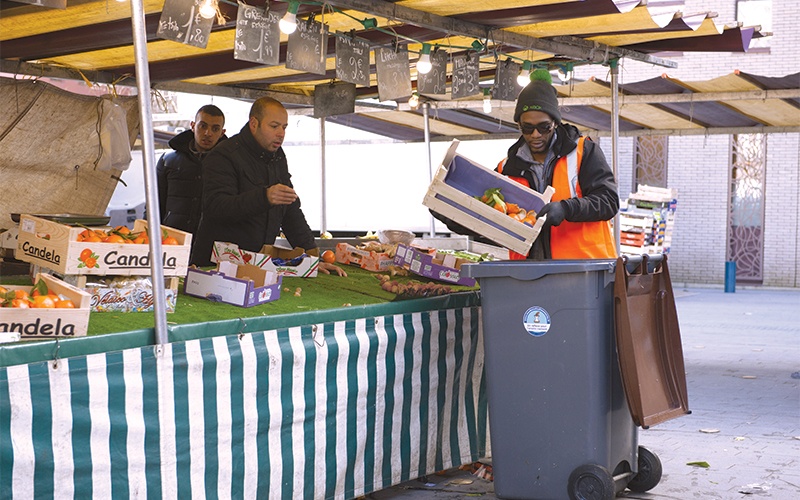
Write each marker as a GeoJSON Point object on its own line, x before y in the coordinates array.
{"type": "Point", "coordinates": [179, 172]}
{"type": "Point", "coordinates": [248, 197]}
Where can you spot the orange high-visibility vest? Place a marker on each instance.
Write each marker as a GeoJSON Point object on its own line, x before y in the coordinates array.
{"type": "Point", "coordinates": [577, 240]}
{"type": "Point", "coordinates": [573, 240]}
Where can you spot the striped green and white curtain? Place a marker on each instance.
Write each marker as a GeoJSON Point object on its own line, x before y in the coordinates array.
{"type": "Point", "coordinates": [333, 410]}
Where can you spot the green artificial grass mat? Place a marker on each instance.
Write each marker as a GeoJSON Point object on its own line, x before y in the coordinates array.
{"type": "Point", "coordinates": [323, 292]}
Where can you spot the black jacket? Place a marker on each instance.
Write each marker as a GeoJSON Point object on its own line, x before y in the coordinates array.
{"type": "Point", "coordinates": [600, 198]}
{"type": "Point", "coordinates": [236, 175]}
{"type": "Point", "coordinates": [180, 184]}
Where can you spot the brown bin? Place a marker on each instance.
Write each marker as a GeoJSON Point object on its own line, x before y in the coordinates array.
{"type": "Point", "coordinates": [649, 341]}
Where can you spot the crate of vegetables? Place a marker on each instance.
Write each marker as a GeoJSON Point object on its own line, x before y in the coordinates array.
{"type": "Point", "coordinates": [49, 309]}
{"type": "Point", "coordinates": [77, 249]}
{"type": "Point", "coordinates": [487, 203]}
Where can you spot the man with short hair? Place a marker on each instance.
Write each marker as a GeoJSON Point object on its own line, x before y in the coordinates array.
{"type": "Point", "coordinates": [180, 173]}
{"type": "Point", "coordinates": [248, 197]}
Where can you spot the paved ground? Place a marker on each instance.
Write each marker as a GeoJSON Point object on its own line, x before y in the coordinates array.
{"type": "Point", "coordinates": [742, 355]}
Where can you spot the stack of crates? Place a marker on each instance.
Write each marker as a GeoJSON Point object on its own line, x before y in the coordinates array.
{"type": "Point", "coordinates": [647, 218]}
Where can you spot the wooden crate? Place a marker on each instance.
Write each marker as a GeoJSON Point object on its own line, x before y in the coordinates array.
{"type": "Point", "coordinates": [452, 194]}
{"type": "Point", "coordinates": [56, 246]}
{"type": "Point", "coordinates": [40, 323]}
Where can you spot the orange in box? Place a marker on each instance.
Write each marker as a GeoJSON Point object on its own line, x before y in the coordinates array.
{"type": "Point", "coordinates": [40, 323]}
{"type": "Point", "coordinates": [55, 246]}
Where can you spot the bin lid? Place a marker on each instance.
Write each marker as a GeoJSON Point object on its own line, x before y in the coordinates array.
{"type": "Point", "coordinates": [535, 269]}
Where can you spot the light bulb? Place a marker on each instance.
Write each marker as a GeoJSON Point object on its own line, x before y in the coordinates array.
{"type": "Point", "coordinates": [424, 65]}
{"type": "Point", "coordinates": [413, 101]}
{"type": "Point", "coordinates": [487, 101]}
{"type": "Point", "coordinates": [208, 9]}
{"type": "Point", "coordinates": [524, 77]}
{"type": "Point", "coordinates": [289, 22]}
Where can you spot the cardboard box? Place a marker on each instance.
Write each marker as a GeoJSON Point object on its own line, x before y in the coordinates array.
{"type": "Point", "coordinates": [452, 194]}
{"type": "Point", "coordinates": [125, 293]}
{"type": "Point", "coordinates": [230, 252]}
{"type": "Point", "coordinates": [55, 246]}
{"type": "Point", "coordinates": [34, 324]}
{"type": "Point", "coordinates": [363, 258]}
{"type": "Point", "coordinates": [243, 286]}
{"type": "Point", "coordinates": [428, 265]}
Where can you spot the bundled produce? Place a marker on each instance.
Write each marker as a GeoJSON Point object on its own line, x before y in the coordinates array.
{"type": "Point", "coordinates": [495, 199]}
{"type": "Point", "coordinates": [38, 297]}
{"type": "Point", "coordinates": [412, 289]}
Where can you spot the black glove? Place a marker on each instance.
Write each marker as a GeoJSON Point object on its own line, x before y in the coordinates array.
{"type": "Point", "coordinates": [555, 213]}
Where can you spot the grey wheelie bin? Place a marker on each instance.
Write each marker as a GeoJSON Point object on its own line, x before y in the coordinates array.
{"type": "Point", "coordinates": [559, 421]}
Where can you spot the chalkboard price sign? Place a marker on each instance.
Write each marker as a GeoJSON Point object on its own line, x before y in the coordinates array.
{"type": "Point", "coordinates": [258, 38]}
{"type": "Point", "coordinates": [466, 78]}
{"type": "Point", "coordinates": [352, 59]}
{"type": "Point", "coordinates": [335, 98]}
{"type": "Point", "coordinates": [506, 87]}
{"type": "Point", "coordinates": [181, 21]}
{"type": "Point", "coordinates": [304, 51]}
{"type": "Point", "coordinates": [393, 72]}
{"type": "Point", "coordinates": [435, 81]}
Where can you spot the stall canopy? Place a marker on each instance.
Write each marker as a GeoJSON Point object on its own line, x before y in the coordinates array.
{"type": "Point", "coordinates": [92, 40]}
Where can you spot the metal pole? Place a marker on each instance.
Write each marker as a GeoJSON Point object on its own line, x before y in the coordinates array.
{"type": "Point", "coordinates": [614, 65]}
{"type": "Point", "coordinates": [324, 224]}
{"type": "Point", "coordinates": [149, 154]}
{"type": "Point", "coordinates": [426, 114]}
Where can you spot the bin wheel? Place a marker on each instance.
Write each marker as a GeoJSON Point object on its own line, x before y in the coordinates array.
{"type": "Point", "coordinates": [591, 482]}
{"type": "Point", "coordinates": [649, 471]}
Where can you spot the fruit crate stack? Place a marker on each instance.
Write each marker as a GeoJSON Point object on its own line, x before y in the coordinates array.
{"type": "Point", "coordinates": [647, 219]}
{"type": "Point", "coordinates": [116, 274]}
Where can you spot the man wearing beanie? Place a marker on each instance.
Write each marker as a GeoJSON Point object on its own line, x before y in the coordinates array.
{"type": "Point", "coordinates": [551, 153]}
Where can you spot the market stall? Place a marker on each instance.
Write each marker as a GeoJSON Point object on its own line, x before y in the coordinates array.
{"type": "Point", "coordinates": [321, 404]}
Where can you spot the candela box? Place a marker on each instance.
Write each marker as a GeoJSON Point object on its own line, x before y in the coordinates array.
{"type": "Point", "coordinates": [42, 323]}
{"type": "Point", "coordinates": [243, 286]}
{"type": "Point", "coordinates": [270, 258]}
{"type": "Point", "coordinates": [453, 192]}
{"type": "Point", "coordinates": [55, 246]}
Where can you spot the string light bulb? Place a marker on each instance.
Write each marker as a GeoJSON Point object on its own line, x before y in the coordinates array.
{"type": "Point", "coordinates": [413, 101]}
{"type": "Point", "coordinates": [208, 9]}
{"type": "Point", "coordinates": [424, 65]}
{"type": "Point", "coordinates": [524, 77]}
{"type": "Point", "coordinates": [565, 73]}
{"type": "Point", "coordinates": [288, 24]}
{"type": "Point", "coordinates": [487, 100]}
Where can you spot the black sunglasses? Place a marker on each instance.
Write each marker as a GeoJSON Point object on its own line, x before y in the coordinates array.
{"type": "Point", "coordinates": [543, 128]}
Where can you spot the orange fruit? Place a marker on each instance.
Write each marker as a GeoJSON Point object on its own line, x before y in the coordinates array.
{"type": "Point", "coordinates": [170, 240]}
{"type": "Point", "coordinates": [85, 254]}
{"type": "Point", "coordinates": [20, 303]}
{"type": "Point", "coordinates": [43, 301]}
{"type": "Point", "coordinates": [328, 256]}
{"type": "Point", "coordinates": [93, 238]}
{"type": "Point", "coordinates": [113, 238]}
{"type": "Point", "coordinates": [65, 304]}
{"type": "Point", "coordinates": [21, 294]}
{"type": "Point", "coordinates": [90, 262]}
{"type": "Point", "coordinates": [122, 230]}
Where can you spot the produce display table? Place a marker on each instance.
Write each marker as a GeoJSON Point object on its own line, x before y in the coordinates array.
{"type": "Point", "coordinates": [298, 398]}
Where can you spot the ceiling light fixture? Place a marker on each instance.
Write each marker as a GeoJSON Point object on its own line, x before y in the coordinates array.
{"type": "Point", "coordinates": [524, 77]}
{"type": "Point", "coordinates": [487, 100]}
{"type": "Point", "coordinates": [424, 65]}
{"type": "Point", "coordinates": [208, 9]}
{"type": "Point", "coordinates": [288, 24]}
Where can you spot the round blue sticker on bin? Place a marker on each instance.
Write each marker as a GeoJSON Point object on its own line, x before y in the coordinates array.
{"type": "Point", "coordinates": [536, 321]}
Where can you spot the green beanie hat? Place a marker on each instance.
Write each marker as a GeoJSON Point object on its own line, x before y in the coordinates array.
{"type": "Point", "coordinates": [538, 95]}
